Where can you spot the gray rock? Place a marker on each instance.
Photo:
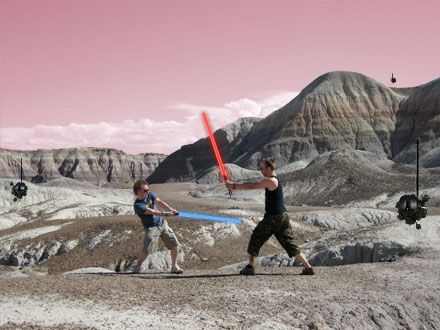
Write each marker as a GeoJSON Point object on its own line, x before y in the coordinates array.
{"type": "Point", "coordinates": [124, 265]}
{"type": "Point", "coordinates": [66, 247]}
{"type": "Point", "coordinates": [39, 178]}
{"type": "Point", "coordinates": [50, 250]}
{"type": "Point", "coordinates": [31, 255]}
{"type": "Point", "coordinates": [15, 258]}
{"type": "Point", "coordinates": [345, 254]}
{"type": "Point", "coordinates": [160, 260]}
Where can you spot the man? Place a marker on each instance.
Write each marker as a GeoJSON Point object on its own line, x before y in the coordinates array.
{"type": "Point", "coordinates": [275, 222]}
{"type": "Point", "coordinates": [154, 225]}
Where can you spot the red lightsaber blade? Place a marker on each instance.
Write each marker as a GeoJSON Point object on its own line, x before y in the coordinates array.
{"type": "Point", "coordinates": [221, 166]}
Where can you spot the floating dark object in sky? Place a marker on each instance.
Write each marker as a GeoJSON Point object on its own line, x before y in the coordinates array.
{"type": "Point", "coordinates": [19, 190]}
{"type": "Point", "coordinates": [393, 80]}
{"type": "Point", "coordinates": [410, 208]}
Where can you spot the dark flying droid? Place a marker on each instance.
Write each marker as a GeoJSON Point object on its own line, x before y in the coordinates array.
{"type": "Point", "coordinates": [393, 80]}
{"type": "Point", "coordinates": [19, 190]}
{"type": "Point", "coordinates": [410, 208]}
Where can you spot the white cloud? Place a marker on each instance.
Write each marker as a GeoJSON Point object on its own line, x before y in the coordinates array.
{"type": "Point", "coordinates": [144, 135]}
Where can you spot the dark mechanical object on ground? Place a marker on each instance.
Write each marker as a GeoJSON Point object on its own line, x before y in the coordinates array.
{"type": "Point", "coordinates": [411, 209]}
{"type": "Point", "coordinates": [19, 190]}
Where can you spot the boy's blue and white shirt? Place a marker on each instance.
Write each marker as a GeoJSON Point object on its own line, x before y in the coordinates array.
{"type": "Point", "coordinates": [140, 207]}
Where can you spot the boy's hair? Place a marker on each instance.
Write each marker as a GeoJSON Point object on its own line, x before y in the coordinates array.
{"type": "Point", "coordinates": [268, 162]}
{"type": "Point", "coordinates": [138, 185]}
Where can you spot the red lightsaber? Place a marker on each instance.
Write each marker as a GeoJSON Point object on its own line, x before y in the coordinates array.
{"type": "Point", "coordinates": [221, 166]}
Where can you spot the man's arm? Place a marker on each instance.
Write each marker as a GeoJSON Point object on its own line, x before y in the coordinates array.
{"type": "Point", "coordinates": [265, 183]}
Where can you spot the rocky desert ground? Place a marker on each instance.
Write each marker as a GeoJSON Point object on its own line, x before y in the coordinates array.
{"type": "Point", "coordinates": [372, 270]}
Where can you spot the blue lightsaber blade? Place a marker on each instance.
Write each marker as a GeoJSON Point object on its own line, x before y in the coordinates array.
{"type": "Point", "coordinates": [208, 217]}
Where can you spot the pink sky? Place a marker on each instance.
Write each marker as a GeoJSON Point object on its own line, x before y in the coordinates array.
{"type": "Point", "coordinates": [134, 75]}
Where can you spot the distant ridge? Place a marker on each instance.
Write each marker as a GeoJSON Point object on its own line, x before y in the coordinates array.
{"type": "Point", "coordinates": [100, 166]}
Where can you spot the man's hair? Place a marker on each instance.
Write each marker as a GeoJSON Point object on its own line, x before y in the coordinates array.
{"type": "Point", "coordinates": [138, 185]}
{"type": "Point", "coordinates": [268, 162]}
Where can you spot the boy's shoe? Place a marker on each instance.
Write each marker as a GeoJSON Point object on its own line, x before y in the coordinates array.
{"type": "Point", "coordinates": [247, 270]}
{"type": "Point", "coordinates": [176, 270]}
{"type": "Point", "coordinates": [308, 271]}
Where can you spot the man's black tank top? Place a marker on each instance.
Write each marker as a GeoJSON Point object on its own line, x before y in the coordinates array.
{"type": "Point", "coordinates": [274, 200]}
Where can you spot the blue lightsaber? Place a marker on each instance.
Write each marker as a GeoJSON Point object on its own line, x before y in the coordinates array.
{"type": "Point", "coordinates": [208, 217]}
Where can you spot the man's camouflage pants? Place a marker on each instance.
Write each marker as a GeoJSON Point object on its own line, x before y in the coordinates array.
{"type": "Point", "coordinates": [278, 225]}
